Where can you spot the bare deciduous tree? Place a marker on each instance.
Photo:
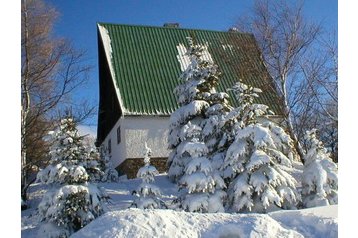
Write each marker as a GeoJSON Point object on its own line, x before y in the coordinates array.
{"type": "Point", "coordinates": [320, 74]}
{"type": "Point", "coordinates": [285, 38]}
{"type": "Point", "coordinates": [51, 69]}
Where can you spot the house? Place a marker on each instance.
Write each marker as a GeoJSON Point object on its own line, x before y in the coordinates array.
{"type": "Point", "coordinates": [139, 67]}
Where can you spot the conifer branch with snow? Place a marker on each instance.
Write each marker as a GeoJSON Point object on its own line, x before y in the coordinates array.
{"type": "Point", "coordinates": [202, 187]}
{"type": "Point", "coordinates": [148, 194]}
{"type": "Point", "coordinates": [199, 103]}
{"type": "Point", "coordinates": [71, 202]}
{"type": "Point", "coordinates": [70, 155]}
{"type": "Point", "coordinates": [109, 173]}
{"type": "Point", "coordinates": [319, 178]}
{"type": "Point", "coordinates": [255, 163]}
{"type": "Point", "coordinates": [193, 126]}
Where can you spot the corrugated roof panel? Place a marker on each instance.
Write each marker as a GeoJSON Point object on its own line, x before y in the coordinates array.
{"type": "Point", "coordinates": [147, 69]}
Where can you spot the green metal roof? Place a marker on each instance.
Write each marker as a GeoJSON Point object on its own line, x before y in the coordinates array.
{"type": "Point", "coordinates": [146, 68]}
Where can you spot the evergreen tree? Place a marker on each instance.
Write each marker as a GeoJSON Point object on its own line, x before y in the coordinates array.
{"type": "Point", "coordinates": [214, 130]}
{"type": "Point", "coordinates": [319, 178]}
{"type": "Point", "coordinates": [193, 125]}
{"type": "Point", "coordinates": [190, 97]}
{"type": "Point", "coordinates": [202, 188]}
{"type": "Point", "coordinates": [199, 103]}
{"type": "Point", "coordinates": [255, 163]}
{"type": "Point", "coordinates": [147, 192]}
{"type": "Point", "coordinates": [71, 202]}
{"type": "Point", "coordinates": [69, 152]}
{"type": "Point", "coordinates": [109, 173]}
{"type": "Point", "coordinates": [93, 163]}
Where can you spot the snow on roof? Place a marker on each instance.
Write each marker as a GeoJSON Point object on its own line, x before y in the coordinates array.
{"type": "Point", "coordinates": [183, 58]}
{"type": "Point", "coordinates": [147, 62]}
{"type": "Point", "coordinates": [107, 46]}
{"type": "Point", "coordinates": [227, 46]}
{"type": "Point", "coordinates": [106, 40]}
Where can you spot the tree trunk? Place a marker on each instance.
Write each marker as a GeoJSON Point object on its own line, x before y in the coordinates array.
{"type": "Point", "coordinates": [51, 70]}
{"type": "Point", "coordinates": [25, 105]}
{"type": "Point", "coordinates": [296, 143]}
{"type": "Point", "coordinates": [288, 121]}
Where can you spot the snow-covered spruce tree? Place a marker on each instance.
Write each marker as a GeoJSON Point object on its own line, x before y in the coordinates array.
{"type": "Point", "coordinates": [199, 103]}
{"type": "Point", "coordinates": [71, 202]}
{"type": "Point", "coordinates": [109, 173]}
{"type": "Point", "coordinates": [255, 163]}
{"type": "Point", "coordinates": [93, 164]}
{"type": "Point", "coordinates": [319, 178]}
{"type": "Point", "coordinates": [214, 133]}
{"type": "Point", "coordinates": [70, 151]}
{"type": "Point", "coordinates": [148, 194]}
{"type": "Point", "coordinates": [201, 187]}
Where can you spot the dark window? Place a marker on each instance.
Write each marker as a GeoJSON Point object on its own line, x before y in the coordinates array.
{"type": "Point", "coordinates": [119, 135]}
{"type": "Point", "coordinates": [109, 146]}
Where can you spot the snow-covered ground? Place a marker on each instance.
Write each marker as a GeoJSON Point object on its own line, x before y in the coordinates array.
{"type": "Point", "coordinates": [122, 222]}
{"type": "Point", "coordinates": [167, 223]}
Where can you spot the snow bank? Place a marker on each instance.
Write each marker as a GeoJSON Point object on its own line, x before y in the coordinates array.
{"type": "Point", "coordinates": [312, 222]}
{"type": "Point", "coordinates": [123, 222]}
{"type": "Point", "coordinates": [316, 222]}
{"type": "Point", "coordinates": [168, 223]}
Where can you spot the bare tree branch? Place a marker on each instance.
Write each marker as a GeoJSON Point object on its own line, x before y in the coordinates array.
{"type": "Point", "coordinates": [284, 37]}
{"type": "Point", "coordinates": [51, 71]}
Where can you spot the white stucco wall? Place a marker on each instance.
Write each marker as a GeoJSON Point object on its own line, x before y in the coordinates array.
{"type": "Point", "coordinates": [118, 150]}
{"type": "Point", "coordinates": [153, 130]}
{"type": "Point", "coordinates": [135, 131]}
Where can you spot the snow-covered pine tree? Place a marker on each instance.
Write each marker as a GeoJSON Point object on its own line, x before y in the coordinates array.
{"type": "Point", "coordinates": [255, 163]}
{"type": "Point", "coordinates": [319, 178]}
{"type": "Point", "coordinates": [148, 194]}
{"type": "Point", "coordinates": [202, 189]}
{"type": "Point", "coordinates": [199, 103]}
{"type": "Point", "coordinates": [71, 202]}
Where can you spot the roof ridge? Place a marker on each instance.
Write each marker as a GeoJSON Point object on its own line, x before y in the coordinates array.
{"type": "Point", "coordinates": [170, 28]}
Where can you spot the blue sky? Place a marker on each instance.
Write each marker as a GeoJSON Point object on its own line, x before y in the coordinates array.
{"type": "Point", "coordinates": [78, 20]}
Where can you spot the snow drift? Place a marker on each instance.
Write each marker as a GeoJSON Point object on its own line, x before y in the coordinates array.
{"type": "Point", "coordinates": [317, 222]}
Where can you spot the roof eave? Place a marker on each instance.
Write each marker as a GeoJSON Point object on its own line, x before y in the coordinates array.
{"type": "Point", "coordinates": [106, 41]}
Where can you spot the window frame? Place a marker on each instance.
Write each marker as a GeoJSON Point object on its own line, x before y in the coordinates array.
{"type": "Point", "coordinates": [109, 146]}
{"type": "Point", "coordinates": [119, 135]}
